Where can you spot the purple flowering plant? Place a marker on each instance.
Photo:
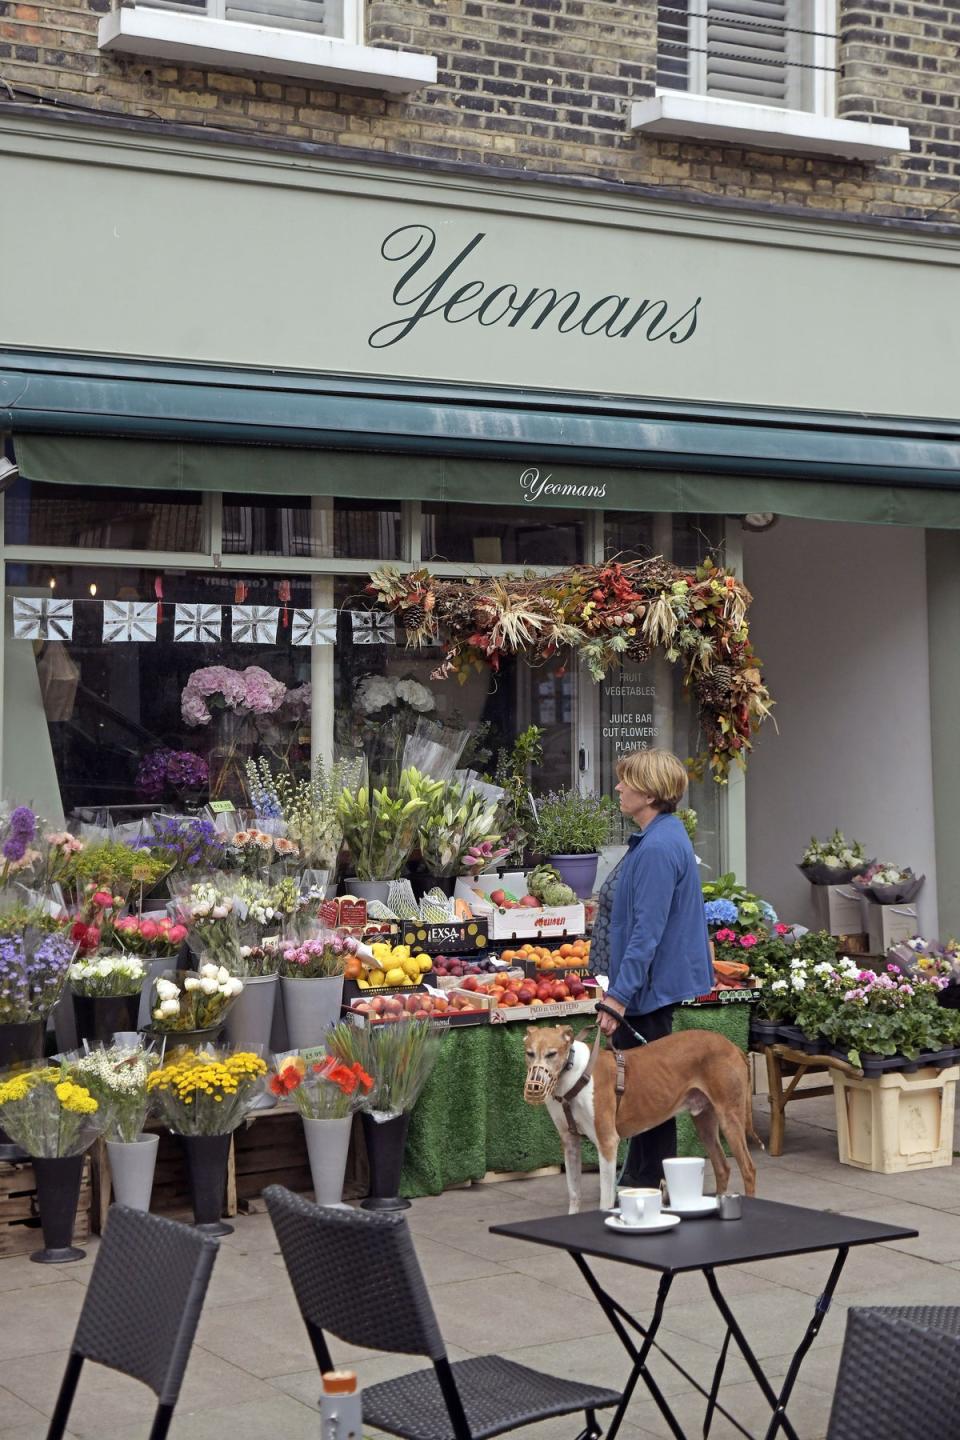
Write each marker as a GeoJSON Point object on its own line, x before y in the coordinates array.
{"type": "Point", "coordinates": [184, 842]}
{"type": "Point", "coordinates": [886, 1012]}
{"type": "Point", "coordinates": [163, 770]}
{"type": "Point", "coordinates": [33, 971]}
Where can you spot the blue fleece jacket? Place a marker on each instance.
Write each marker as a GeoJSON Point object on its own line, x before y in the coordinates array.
{"type": "Point", "coordinates": [659, 952]}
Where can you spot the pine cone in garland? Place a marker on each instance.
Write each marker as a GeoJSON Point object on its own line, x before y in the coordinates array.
{"type": "Point", "coordinates": [638, 650]}
{"type": "Point", "coordinates": [723, 679]}
{"type": "Point", "coordinates": [712, 693]}
{"type": "Point", "coordinates": [413, 617]}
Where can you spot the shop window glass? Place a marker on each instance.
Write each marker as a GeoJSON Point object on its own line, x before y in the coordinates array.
{"type": "Point", "coordinates": [107, 518]}
{"type": "Point", "coordinates": [502, 535]}
{"type": "Point", "coordinates": [318, 527]}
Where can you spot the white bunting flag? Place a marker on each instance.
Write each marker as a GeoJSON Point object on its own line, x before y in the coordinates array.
{"type": "Point", "coordinates": [42, 619]}
{"type": "Point", "coordinates": [125, 621]}
{"type": "Point", "coordinates": [314, 627]}
{"type": "Point", "coordinates": [254, 624]}
{"type": "Point", "coordinates": [371, 627]}
{"type": "Point", "coordinates": [198, 624]}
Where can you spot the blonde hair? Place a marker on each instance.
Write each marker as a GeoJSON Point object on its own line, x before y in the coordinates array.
{"type": "Point", "coordinates": [655, 772]}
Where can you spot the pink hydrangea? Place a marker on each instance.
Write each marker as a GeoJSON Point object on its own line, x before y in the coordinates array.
{"type": "Point", "coordinates": [251, 691]}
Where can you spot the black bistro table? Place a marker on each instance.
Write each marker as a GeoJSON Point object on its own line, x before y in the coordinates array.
{"type": "Point", "coordinates": [767, 1231]}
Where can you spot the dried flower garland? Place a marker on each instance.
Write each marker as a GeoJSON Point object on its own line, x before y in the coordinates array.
{"type": "Point", "coordinates": [603, 614]}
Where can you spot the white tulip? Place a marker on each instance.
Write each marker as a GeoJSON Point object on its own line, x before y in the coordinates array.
{"type": "Point", "coordinates": [223, 975]}
{"type": "Point", "coordinates": [166, 990]}
{"type": "Point", "coordinates": [208, 985]}
{"type": "Point", "coordinates": [169, 1007]}
{"type": "Point", "coordinates": [208, 970]}
{"type": "Point", "coordinates": [233, 987]}
{"type": "Point", "coordinates": [220, 912]}
{"type": "Point", "coordinates": [158, 1014]}
{"type": "Point", "coordinates": [192, 983]}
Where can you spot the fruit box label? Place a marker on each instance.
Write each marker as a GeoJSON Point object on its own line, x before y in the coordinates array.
{"type": "Point", "coordinates": [541, 1012]}
{"type": "Point", "coordinates": [453, 938]}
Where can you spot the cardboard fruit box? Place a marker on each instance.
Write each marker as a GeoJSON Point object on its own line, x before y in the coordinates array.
{"type": "Point", "coordinates": [456, 937]}
{"type": "Point", "coordinates": [521, 922]}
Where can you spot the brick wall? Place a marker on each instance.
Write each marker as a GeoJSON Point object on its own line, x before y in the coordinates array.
{"type": "Point", "coordinates": [542, 87]}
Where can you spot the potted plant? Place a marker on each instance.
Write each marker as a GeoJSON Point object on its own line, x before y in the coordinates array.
{"type": "Point", "coordinates": [117, 1077]}
{"type": "Point", "coordinates": [327, 1093]}
{"type": "Point", "coordinates": [456, 833]}
{"type": "Point", "coordinates": [513, 776]}
{"type": "Point", "coordinates": [190, 1006]}
{"type": "Point", "coordinates": [834, 861]}
{"type": "Point", "coordinates": [203, 1097]}
{"type": "Point", "coordinates": [311, 982]}
{"type": "Point", "coordinates": [570, 832]}
{"type": "Point", "coordinates": [380, 828]}
{"type": "Point", "coordinates": [106, 995]}
{"type": "Point", "coordinates": [400, 1058]}
{"type": "Point", "coordinates": [54, 1120]}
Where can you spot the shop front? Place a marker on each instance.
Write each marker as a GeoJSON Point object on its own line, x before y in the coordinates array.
{"type": "Point", "coordinates": [254, 379]}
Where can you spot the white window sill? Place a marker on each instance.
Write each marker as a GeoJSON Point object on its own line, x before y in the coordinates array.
{"type": "Point", "coordinates": [705, 117]}
{"type": "Point", "coordinates": [198, 39]}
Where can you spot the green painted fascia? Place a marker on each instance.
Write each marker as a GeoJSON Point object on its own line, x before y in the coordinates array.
{"type": "Point", "coordinates": [49, 395]}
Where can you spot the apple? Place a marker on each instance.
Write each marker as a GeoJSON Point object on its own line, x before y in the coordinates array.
{"type": "Point", "coordinates": [531, 902]}
{"type": "Point", "coordinates": [498, 897]}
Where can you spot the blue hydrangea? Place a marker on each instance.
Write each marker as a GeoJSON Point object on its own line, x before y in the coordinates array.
{"type": "Point", "coordinates": [769, 915]}
{"type": "Point", "coordinates": [721, 912]}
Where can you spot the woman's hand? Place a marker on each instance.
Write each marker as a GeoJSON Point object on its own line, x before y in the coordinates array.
{"type": "Point", "coordinates": [608, 1025]}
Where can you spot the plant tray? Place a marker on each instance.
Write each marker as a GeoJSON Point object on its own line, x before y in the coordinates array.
{"type": "Point", "coordinates": [20, 1231]}
{"type": "Point", "coordinates": [883, 1064]}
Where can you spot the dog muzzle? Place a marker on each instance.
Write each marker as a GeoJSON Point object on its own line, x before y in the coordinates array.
{"type": "Point", "coordinates": [539, 1084]}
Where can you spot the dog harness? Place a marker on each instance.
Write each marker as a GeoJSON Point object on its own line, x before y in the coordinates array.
{"type": "Point", "coordinates": [566, 1100]}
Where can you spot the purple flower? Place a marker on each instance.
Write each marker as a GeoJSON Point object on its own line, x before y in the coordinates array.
{"type": "Point", "coordinates": [23, 822]}
{"type": "Point", "coordinates": [15, 847]}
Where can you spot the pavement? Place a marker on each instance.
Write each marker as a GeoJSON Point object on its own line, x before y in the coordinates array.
{"type": "Point", "coordinates": [252, 1373]}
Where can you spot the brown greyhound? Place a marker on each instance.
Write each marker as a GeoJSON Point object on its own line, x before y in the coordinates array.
{"type": "Point", "coordinates": [694, 1070]}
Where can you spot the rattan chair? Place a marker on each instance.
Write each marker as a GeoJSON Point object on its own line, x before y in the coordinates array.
{"type": "Point", "coordinates": [355, 1274]}
{"type": "Point", "coordinates": [140, 1314]}
{"type": "Point", "coordinates": [899, 1375]}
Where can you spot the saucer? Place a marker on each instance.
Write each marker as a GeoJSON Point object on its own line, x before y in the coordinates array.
{"type": "Point", "coordinates": [665, 1222]}
{"type": "Point", "coordinates": [706, 1206]}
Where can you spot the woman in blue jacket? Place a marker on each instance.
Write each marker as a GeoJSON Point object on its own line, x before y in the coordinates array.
{"type": "Point", "coordinates": [650, 935]}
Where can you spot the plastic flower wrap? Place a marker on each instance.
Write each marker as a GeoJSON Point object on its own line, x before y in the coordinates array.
{"type": "Point", "coordinates": [319, 957]}
{"type": "Point", "coordinates": [399, 1057]}
{"type": "Point", "coordinates": [213, 920]}
{"type": "Point", "coordinates": [48, 1113]}
{"type": "Point", "coordinates": [203, 1093]}
{"type": "Point", "coordinates": [33, 971]}
{"type": "Point", "coordinates": [834, 861]}
{"type": "Point", "coordinates": [888, 884]}
{"type": "Point", "coordinates": [325, 1089]}
{"type": "Point", "coordinates": [193, 1000]}
{"type": "Point", "coordinates": [107, 975]}
{"type": "Point", "coordinates": [455, 821]}
{"type": "Point", "coordinates": [116, 1077]}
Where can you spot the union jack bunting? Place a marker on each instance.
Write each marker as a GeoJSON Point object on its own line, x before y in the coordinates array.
{"type": "Point", "coordinates": [198, 624]}
{"type": "Point", "coordinates": [314, 627]}
{"type": "Point", "coordinates": [254, 624]}
{"type": "Point", "coordinates": [125, 621]}
{"type": "Point", "coordinates": [370, 627]}
{"type": "Point", "coordinates": [42, 618]}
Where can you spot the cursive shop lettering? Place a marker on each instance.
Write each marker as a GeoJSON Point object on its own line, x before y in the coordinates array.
{"type": "Point", "coordinates": [428, 287]}
{"type": "Point", "coordinates": [534, 485]}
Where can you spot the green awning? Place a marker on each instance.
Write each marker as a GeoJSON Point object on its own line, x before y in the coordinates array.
{"type": "Point", "coordinates": [276, 470]}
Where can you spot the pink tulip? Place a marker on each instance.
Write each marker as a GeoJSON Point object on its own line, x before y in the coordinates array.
{"type": "Point", "coordinates": [176, 933]}
{"type": "Point", "coordinates": [149, 929]}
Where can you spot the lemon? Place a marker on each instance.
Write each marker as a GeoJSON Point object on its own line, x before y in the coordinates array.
{"type": "Point", "coordinates": [363, 984]}
{"type": "Point", "coordinates": [377, 977]}
{"type": "Point", "coordinates": [424, 962]}
{"type": "Point", "coordinates": [394, 976]}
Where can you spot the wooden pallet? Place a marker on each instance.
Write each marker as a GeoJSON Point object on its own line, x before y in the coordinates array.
{"type": "Point", "coordinates": [20, 1231]}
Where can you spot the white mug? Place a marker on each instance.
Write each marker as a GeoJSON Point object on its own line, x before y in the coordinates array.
{"type": "Point", "coordinates": [684, 1180]}
{"type": "Point", "coordinates": [639, 1206]}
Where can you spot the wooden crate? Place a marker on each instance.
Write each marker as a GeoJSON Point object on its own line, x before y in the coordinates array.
{"type": "Point", "coordinates": [20, 1231]}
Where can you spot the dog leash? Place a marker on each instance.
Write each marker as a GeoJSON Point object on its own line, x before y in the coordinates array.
{"type": "Point", "coordinates": [567, 1099]}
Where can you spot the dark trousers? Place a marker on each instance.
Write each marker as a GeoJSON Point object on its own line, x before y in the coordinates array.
{"type": "Point", "coordinates": [647, 1152]}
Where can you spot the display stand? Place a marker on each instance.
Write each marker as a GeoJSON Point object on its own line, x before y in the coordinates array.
{"type": "Point", "coordinates": [793, 1065]}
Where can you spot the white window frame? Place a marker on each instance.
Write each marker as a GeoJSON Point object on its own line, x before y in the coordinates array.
{"type": "Point", "coordinates": [208, 38]}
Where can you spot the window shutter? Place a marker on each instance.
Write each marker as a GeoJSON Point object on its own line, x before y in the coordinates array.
{"type": "Point", "coordinates": [324, 17]}
{"type": "Point", "coordinates": [749, 51]}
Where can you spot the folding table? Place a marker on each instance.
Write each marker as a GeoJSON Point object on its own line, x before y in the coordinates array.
{"type": "Point", "coordinates": [767, 1231]}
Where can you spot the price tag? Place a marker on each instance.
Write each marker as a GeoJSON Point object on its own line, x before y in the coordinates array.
{"type": "Point", "coordinates": [222, 807]}
{"type": "Point", "coordinates": [311, 1056]}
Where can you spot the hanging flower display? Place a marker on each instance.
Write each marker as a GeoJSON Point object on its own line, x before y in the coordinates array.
{"type": "Point", "coordinates": [602, 614]}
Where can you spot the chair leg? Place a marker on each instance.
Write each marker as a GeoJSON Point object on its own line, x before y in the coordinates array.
{"type": "Point", "coordinates": [592, 1430]}
{"type": "Point", "coordinates": [161, 1422]}
{"type": "Point", "coordinates": [68, 1388]}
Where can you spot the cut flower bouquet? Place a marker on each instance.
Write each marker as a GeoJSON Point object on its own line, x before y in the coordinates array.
{"type": "Point", "coordinates": [324, 1089]}
{"type": "Point", "coordinates": [202, 1093]}
{"type": "Point", "coordinates": [117, 1078]}
{"type": "Point", "coordinates": [834, 861]}
{"type": "Point", "coordinates": [887, 884]}
{"type": "Point", "coordinates": [48, 1113]}
{"type": "Point", "coordinates": [33, 969]}
{"type": "Point", "coordinates": [107, 976]}
{"type": "Point", "coordinates": [193, 1000]}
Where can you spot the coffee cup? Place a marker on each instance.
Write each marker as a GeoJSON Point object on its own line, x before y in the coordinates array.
{"type": "Point", "coordinates": [684, 1178]}
{"type": "Point", "coordinates": [639, 1206]}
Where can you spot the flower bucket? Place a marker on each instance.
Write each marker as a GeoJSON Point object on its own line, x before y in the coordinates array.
{"type": "Point", "coordinates": [99, 1017]}
{"type": "Point", "coordinates": [131, 1170]}
{"type": "Point", "coordinates": [250, 1017]}
{"type": "Point", "coordinates": [328, 1142]}
{"type": "Point", "coordinates": [577, 871]}
{"type": "Point", "coordinates": [58, 1194]}
{"type": "Point", "coordinates": [386, 1141]}
{"type": "Point", "coordinates": [207, 1157]}
{"type": "Point", "coordinates": [310, 1007]}
{"type": "Point", "coordinates": [185, 1039]}
{"type": "Point", "coordinates": [367, 889]}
